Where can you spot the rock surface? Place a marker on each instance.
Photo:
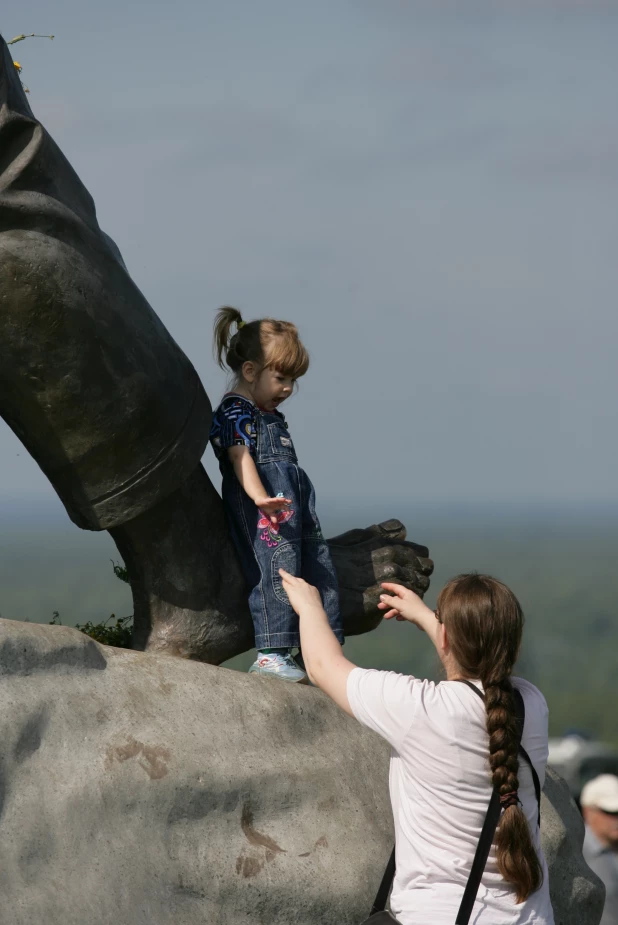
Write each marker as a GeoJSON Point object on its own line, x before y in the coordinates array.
{"type": "Point", "coordinates": [139, 788]}
{"type": "Point", "coordinates": [577, 894]}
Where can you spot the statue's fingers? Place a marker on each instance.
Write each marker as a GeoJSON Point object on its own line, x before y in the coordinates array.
{"type": "Point", "coordinates": [371, 597]}
{"type": "Point", "coordinates": [403, 556]}
{"type": "Point", "coordinates": [406, 575]}
{"type": "Point", "coordinates": [420, 584]}
{"type": "Point", "coordinates": [393, 572]}
{"type": "Point", "coordinates": [387, 531]}
{"type": "Point", "coordinates": [350, 538]}
{"type": "Point", "coordinates": [365, 557]}
{"type": "Point", "coordinates": [391, 529]}
{"type": "Point", "coordinates": [376, 541]}
{"type": "Point", "coordinates": [417, 548]}
{"type": "Point", "coordinates": [400, 554]}
{"type": "Point", "coordinates": [425, 566]}
{"type": "Point", "coordinates": [357, 578]}
{"type": "Point", "coordinates": [410, 570]}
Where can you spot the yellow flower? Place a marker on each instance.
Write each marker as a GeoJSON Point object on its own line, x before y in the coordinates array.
{"type": "Point", "coordinates": [17, 66]}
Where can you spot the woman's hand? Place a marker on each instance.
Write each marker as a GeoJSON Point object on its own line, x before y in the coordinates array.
{"type": "Point", "coordinates": [271, 507]}
{"type": "Point", "coordinates": [325, 663]}
{"type": "Point", "coordinates": [302, 596]}
{"type": "Point", "coordinates": [404, 604]}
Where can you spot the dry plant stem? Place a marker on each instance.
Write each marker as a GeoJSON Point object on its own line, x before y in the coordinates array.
{"type": "Point", "coordinates": [31, 35]}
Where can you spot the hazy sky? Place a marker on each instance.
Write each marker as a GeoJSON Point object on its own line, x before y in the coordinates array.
{"type": "Point", "coordinates": [429, 190]}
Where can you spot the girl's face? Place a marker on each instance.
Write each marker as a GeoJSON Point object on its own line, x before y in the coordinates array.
{"type": "Point", "coordinates": [267, 387]}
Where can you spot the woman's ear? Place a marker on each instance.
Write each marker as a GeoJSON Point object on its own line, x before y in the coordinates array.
{"type": "Point", "coordinates": [445, 647]}
{"type": "Point", "coordinates": [249, 371]}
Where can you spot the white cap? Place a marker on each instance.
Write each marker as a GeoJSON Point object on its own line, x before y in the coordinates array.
{"type": "Point", "coordinates": [601, 792]}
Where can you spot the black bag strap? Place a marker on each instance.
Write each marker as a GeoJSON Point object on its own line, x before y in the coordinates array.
{"type": "Point", "coordinates": [480, 860]}
{"type": "Point", "coordinates": [486, 838]}
{"type": "Point", "coordinates": [385, 887]}
{"type": "Point", "coordinates": [487, 832]}
{"type": "Point", "coordinates": [521, 710]}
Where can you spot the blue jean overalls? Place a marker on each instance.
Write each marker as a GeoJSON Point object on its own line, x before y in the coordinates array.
{"type": "Point", "coordinates": [295, 543]}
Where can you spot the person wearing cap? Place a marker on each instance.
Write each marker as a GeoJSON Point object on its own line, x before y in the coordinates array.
{"type": "Point", "coordinates": [599, 802]}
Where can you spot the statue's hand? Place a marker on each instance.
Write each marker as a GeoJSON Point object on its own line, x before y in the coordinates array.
{"type": "Point", "coordinates": [365, 557]}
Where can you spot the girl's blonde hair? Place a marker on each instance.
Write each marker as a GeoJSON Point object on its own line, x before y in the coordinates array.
{"type": "Point", "coordinates": [484, 622]}
{"type": "Point", "coordinates": [265, 342]}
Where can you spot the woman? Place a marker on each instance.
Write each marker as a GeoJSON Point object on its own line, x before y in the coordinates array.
{"type": "Point", "coordinates": [449, 748]}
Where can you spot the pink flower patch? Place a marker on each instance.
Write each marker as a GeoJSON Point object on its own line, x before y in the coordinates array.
{"type": "Point", "coordinates": [270, 531]}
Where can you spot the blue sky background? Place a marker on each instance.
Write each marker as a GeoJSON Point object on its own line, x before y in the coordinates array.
{"type": "Point", "coordinates": [429, 190]}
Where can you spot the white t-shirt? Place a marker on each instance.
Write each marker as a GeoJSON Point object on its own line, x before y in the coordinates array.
{"type": "Point", "coordinates": [440, 789]}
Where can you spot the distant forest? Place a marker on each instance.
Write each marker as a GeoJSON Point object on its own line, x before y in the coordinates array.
{"type": "Point", "coordinates": [563, 571]}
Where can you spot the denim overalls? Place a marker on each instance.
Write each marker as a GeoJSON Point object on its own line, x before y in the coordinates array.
{"type": "Point", "coordinates": [295, 543]}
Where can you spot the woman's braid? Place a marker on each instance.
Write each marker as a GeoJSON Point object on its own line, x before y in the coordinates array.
{"type": "Point", "coordinates": [502, 727]}
{"type": "Point", "coordinates": [484, 623]}
{"type": "Point", "coordinates": [516, 855]}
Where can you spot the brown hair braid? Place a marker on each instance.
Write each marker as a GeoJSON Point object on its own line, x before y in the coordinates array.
{"type": "Point", "coordinates": [484, 624]}
{"type": "Point", "coordinates": [265, 342]}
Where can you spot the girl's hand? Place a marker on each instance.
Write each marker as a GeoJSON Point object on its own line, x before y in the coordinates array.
{"type": "Point", "coordinates": [302, 596]}
{"type": "Point", "coordinates": [271, 506]}
{"type": "Point", "coordinates": [404, 604]}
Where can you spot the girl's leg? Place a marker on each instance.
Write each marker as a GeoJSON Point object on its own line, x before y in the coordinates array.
{"type": "Point", "coordinates": [263, 549]}
{"type": "Point", "coordinates": [317, 565]}
{"type": "Point", "coordinates": [274, 659]}
{"type": "Point", "coordinates": [239, 520]}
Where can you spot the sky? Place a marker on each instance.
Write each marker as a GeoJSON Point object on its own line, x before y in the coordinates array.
{"type": "Point", "coordinates": [429, 190]}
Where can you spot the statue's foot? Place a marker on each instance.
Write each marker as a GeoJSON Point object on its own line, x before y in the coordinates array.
{"type": "Point", "coordinates": [366, 557]}
{"type": "Point", "coordinates": [189, 595]}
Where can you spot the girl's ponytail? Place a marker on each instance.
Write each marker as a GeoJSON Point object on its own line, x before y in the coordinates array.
{"type": "Point", "coordinates": [225, 318]}
{"type": "Point", "coordinates": [264, 342]}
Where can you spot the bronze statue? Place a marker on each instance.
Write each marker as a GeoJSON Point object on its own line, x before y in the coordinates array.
{"type": "Point", "coordinates": [116, 417]}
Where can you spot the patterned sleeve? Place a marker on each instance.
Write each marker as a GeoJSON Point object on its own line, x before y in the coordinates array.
{"type": "Point", "coordinates": [233, 424]}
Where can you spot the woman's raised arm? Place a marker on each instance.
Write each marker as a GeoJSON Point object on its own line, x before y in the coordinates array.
{"type": "Point", "coordinates": [325, 663]}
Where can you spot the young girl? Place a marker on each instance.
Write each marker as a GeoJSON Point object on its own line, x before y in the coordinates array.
{"type": "Point", "coordinates": [269, 499]}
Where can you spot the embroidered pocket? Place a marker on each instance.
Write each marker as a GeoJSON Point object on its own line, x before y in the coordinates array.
{"type": "Point", "coordinates": [280, 441]}
{"type": "Point", "coordinates": [287, 556]}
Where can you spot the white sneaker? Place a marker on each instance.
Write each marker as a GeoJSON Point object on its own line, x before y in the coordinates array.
{"type": "Point", "coordinates": [276, 665]}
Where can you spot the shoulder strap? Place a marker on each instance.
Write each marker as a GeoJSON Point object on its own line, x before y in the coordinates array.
{"type": "Point", "coordinates": [385, 887]}
{"type": "Point", "coordinates": [480, 860]}
{"type": "Point", "coordinates": [522, 751]}
{"type": "Point", "coordinates": [486, 838]}
{"type": "Point", "coordinates": [487, 833]}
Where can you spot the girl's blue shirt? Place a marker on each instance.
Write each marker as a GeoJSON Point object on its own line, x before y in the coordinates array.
{"type": "Point", "coordinates": [233, 424]}
{"type": "Point", "coordinates": [295, 542]}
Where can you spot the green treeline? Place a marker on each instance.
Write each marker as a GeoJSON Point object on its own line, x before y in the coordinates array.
{"type": "Point", "coordinates": [563, 571]}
